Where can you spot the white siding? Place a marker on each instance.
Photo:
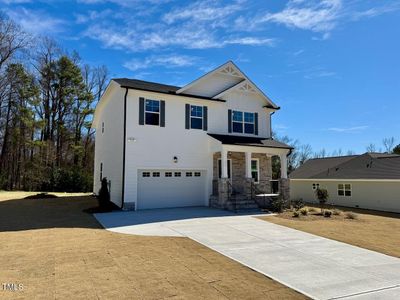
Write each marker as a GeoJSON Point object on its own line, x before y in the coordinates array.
{"type": "Point", "coordinates": [377, 195]}
{"type": "Point", "coordinates": [108, 149]}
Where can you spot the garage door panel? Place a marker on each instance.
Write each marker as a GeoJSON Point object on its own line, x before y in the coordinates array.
{"type": "Point", "coordinates": [166, 191]}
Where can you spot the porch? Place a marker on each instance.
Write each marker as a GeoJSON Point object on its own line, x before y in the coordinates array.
{"type": "Point", "coordinates": [242, 172]}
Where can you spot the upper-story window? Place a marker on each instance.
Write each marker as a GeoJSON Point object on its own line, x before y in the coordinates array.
{"type": "Point", "coordinates": [243, 122]}
{"type": "Point", "coordinates": [196, 117]}
{"type": "Point", "coordinates": [152, 112]}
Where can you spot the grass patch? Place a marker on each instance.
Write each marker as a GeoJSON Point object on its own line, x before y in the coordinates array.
{"type": "Point", "coordinates": [374, 230]}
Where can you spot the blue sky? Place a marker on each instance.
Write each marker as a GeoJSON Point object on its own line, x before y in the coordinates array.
{"type": "Point", "coordinates": [332, 65]}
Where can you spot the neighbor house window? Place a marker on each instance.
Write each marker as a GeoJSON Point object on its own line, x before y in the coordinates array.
{"type": "Point", "coordinates": [255, 170]}
{"type": "Point", "coordinates": [156, 174]}
{"type": "Point", "coordinates": [168, 174]}
{"type": "Point", "coordinates": [152, 112]}
{"type": "Point", "coordinates": [101, 171]}
{"type": "Point", "coordinates": [243, 122]}
{"type": "Point", "coordinates": [196, 117]}
{"type": "Point", "coordinates": [344, 189]}
{"type": "Point", "coordinates": [146, 174]}
{"type": "Point", "coordinates": [177, 174]}
{"type": "Point", "coordinates": [315, 186]}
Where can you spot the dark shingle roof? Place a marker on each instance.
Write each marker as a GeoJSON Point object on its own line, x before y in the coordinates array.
{"type": "Point", "coordinates": [156, 87]}
{"type": "Point", "coordinates": [248, 141]}
{"type": "Point", "coordinates": [365, 166]}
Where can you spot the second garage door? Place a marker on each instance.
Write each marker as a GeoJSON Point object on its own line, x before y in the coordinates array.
{"type": "Point", "coordinates": [171, 188]}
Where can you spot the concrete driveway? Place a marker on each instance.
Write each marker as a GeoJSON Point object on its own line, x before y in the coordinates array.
{"type": "Point", "coordinates": [317, 267]}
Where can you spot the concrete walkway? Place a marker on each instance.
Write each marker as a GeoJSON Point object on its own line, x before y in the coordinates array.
{"type": "Point", "coordinates": [317, 267]}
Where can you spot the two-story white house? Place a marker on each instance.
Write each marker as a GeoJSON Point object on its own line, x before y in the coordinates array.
{"type": "Point", "coordinates": [207, 143]}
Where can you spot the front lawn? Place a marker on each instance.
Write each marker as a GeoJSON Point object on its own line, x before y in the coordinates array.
{"type": "Point", "coordinates": [56, 251]}
{"type": "Point", "coordinates": [377, 231]}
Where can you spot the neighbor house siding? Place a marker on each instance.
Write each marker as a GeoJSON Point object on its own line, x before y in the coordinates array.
{"type": "Point", "coordinates": [377, 195]}
{"type": "Point", "coordinates": [109, 145]}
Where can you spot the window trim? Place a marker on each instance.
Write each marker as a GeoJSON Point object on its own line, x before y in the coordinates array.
{"type": "Point", "coordinates": [153, 112]}
{"type": "Point", "coordinates": [344, 189]}
{"type": "Point", "coordinates": [258, 169]}
{"type": "Point", "coordinates": [243, 122]}
{"type": "Point", "coordinates": [195, 117]}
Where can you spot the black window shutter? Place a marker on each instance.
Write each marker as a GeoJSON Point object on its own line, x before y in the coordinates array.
{"type": "Point", "coordinates": [205, 118]}
{"type": "Point", "coordinates": [229, 120]}
{"type": "Point", "coordinates": [256, 123]}
{"type": "Point", "coordinates": [162, 113]}
{"type": "Point", "coordinates": [187, 116]}
{"type": "Point", "coordinates": [141, 111]}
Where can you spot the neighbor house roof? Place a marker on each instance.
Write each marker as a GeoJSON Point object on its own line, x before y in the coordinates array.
{"type": "Point", "coordinates": [156, 87]}
{"type": "Point", "coordinates": [248, 141]}
{"type": "Point", "coordinates": [365, 166]}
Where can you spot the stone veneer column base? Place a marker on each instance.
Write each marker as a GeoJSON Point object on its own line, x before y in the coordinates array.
{"type": "Point", "coordinates": [223, 191]}
{"type": "Point", "coordinates": [247, 188]}
{"type": "Point", "coordinates": [284, 189]}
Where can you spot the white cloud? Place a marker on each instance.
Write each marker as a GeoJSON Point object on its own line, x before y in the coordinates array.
{"type": "Point", "coordinates": [37, 22]}
{"type": "Point", "coordinates": [167, 61]}
{"type": "Point", "coordinates": [348, 129]}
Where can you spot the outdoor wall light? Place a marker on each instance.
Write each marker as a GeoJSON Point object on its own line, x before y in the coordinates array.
{"type": "Point", "coordinates": [131, 139]}
{"type": "Point", "coordinates": [175, 159]}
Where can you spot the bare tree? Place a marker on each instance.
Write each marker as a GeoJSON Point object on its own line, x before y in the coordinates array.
{"type": "Point", "coordinates": [321, 154]}
{"type": "Point", "coordinates": [388, 143]}
{"type": "Point", "coordinates": [371, 148]}
{"type": "Point", "coordinates": [305, 153]}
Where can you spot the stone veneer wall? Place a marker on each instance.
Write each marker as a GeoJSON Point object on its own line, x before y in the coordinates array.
{"type": "Point", "coordinates": [239, 172]}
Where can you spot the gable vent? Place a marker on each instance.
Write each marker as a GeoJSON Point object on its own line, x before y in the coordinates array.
{"type": "Point", "coordinates": [230, 71]}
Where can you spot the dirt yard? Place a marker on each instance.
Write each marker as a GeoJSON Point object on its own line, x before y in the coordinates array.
{"type": "Point", "coordinates": [378, 231]}
{"type": "Point", "coordinates": [55, 251]}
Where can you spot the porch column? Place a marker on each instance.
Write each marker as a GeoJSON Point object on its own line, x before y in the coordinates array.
{"type": "Point", "coordinates": [283, 159]}
{"type": "Point", "coordinates": [248, 165]}
{"type": "Point", "coordinates": [224, 163]}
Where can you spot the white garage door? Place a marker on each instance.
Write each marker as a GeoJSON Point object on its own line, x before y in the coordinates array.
{"type": "Point", "coordinates": [171, 188]}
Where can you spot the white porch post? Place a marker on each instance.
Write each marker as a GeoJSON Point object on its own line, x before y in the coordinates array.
{"type": "Point", "coordinates": [283, 159]}
{"type": "Point", "coordinates": [248, 164]}
{"type": "Point", "coordinates": [224, 163]}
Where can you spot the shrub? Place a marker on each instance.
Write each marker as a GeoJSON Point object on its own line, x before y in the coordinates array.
{"type": "Point", "coordinates": [278, 204]}
{"type": "Point", "coordinates": [327, 213]}
{"type": "Point", "coordinates": [322, 196]}
{"type": "Point", "coordinates": [337, 212]}
{"type": "Point", "coordinates": [311, 209]}
{"type": "Point", "coordinates": [296, 214]}
{"type": "Point", "coordinates": [304, 211]}
{"type": "Point", "coordinates": [298, 203]}
{"type": "Point", "coordinates": [351, 215]}
{"type": "Point", "coordinates": [104, 195]}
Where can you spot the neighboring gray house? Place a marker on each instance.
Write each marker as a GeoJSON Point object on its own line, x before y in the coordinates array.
{"type": "Point", "coordinates": [370, 180]}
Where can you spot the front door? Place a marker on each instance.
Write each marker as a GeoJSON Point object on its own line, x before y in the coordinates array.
{"type": "Point", "coordinates": [220, 168]}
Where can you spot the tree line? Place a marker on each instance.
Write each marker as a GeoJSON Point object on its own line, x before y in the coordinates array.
{"type": "Point", "coordinates": [47, 100]}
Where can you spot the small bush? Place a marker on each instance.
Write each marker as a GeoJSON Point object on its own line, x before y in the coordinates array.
{"type": "Point", "coordinates": [337, 212]}
{"type": "Point", "coordinates": [298, 203]}
{"type": "Point", "coordinates": [304, 211]}
{"type": "Point", "coordinates": [296, 214]}
{"type": "Point", "coordinates": [104, 195]}
{"type": "Point", "coordinates": [351, 215]}
{"type": "Point", "coordinates": [311, 209]}
{"type": "Point", "coordinates": [327, 213]}
{"type": "Point", "coordinates": [278, 205]}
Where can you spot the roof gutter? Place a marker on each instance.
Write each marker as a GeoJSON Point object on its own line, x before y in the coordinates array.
{"type": "Point", "coordinates": [124, 150]}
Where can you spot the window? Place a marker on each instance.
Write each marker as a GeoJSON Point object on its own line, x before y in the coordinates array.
{"type": "Point", "coordinates": [177, 174]}
{"type": "Point", "coordinates": [156, 174]}
{"type": "Point", "coordinates": [152, 112]}
{"type": "Point", "coordinates": [315, 186]}
{"type": "Point", "coordinates": [196, 117]}
{"type": "Point", "coordinates": [255, 170]}
{"type": "Point", "coordinates": [189, 174]}
{"type": "Point", "coordinates": [344, 189]}
{"type": "Point", "coordinates": [197, 174]}
{"type": "Point", "coordinates": [168, 174]}
{"type": "Point", "coordinates": [101, 171]}
{"type": "Point", "coordinates": [102, 127]}
{"type": "Point", "coordinates": [146, 174]}
{"type": "Point", "coordinates": [243, 122]}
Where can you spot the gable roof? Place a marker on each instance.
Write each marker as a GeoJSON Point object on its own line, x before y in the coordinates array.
{"type": "Point", "coordinates": [230, 69]}
{"type": "Point", "coordinates": [156, 87]}
{"type": "Point", "coordinates": [248, 141]}
{"type": "Point", "coordinates": [365, 166]}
